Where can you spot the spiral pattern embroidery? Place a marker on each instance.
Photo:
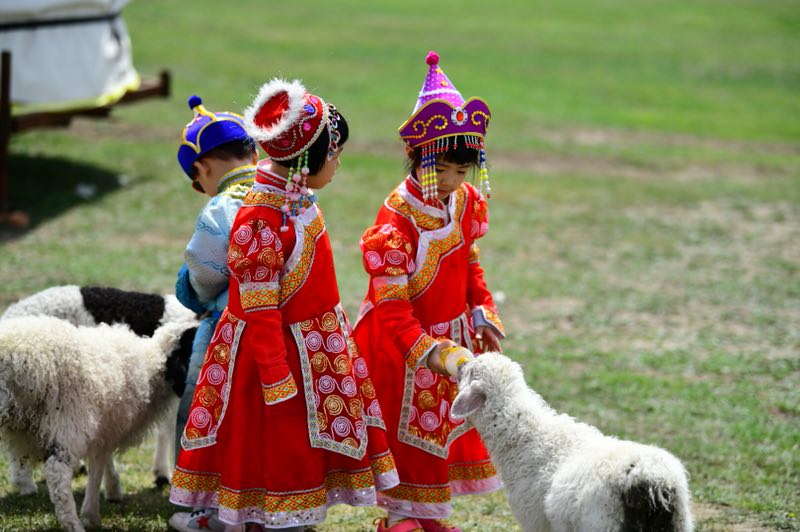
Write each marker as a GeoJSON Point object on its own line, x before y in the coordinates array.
{"type": "Point", "coordinates": [424, 378]}
{"type": "Point", "coordinates": [440, 329]}
{"type": "Point", "coordinates": [340, 397]}
{"type": "Point", "coordinates": [341, 426]}
{"type": "Point", "coordinates": [227, 333]}
{"type": "Point", "coordinates": [342, 365]}
{"type": "Point", "coordinates": [335, 343]}
{"type": "Point", "coordinates": [200, 417]}
{"type": "Point", "coordinates": [375, 409]}
{"type": "Point", "coordinates": [360, 368]}
{"type": "Point", "coordinates": [243, 235]}
{"type": "Point", "coordinates": [429, 421]}
{"type": "Point", "coordinates": [326, 384]}
{"type": "Point", "coordinates": [313, 341]}
{"type": "Point", "coordinates": [215, 374]}
{"type": "Point", "coordinates": [348, 386]}
{"type": "Point", "coordinates": [221, 353]}
{"type": "Point", "coordinates": [334, 405]}
{"type": "Point", "coordinates": [207, 396]}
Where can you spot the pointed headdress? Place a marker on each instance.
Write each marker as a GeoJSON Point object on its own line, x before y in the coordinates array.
{"type": "Point", "coordinates": [440, 118]}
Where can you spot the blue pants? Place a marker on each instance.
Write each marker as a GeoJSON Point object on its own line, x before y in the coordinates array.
{"type": "Point", "coordinates": [201, 340]}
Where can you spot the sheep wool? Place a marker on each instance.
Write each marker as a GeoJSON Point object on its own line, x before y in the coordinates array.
{"type": "Point", "coordinates": [563, 475]}
{"type": "Point", "coordinates": [90, 306]}
{"type": "Point", "coordinates": [70, 392]}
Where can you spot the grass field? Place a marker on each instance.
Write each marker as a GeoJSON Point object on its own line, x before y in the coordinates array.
{"type": "Point", "coordinates": [645, 239]}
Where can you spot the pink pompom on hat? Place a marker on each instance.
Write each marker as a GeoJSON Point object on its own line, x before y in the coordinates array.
{"type": "Point", "coordinates": [440, 117]}
{"type": "Point", "coordinates": [437, 85]}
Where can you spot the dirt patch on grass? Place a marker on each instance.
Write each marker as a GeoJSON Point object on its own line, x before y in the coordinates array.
{"type": "Point", "coordinates": [559, 164]}
{"type": "Point", "coordinates": [621, 137]}
{"type": "Point", "coordinates": [699, 280]}
{"type": "Point", "coordinates": [92, 129]}
{"type": "Point", "coordinates": [714, 518]}
{"type": "Point", "coordinates": [552, 163]}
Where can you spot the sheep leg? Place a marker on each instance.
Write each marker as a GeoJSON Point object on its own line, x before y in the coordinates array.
{"type": "Point", "coordinates": [58, 475]}
{"type": "Point", "coordinates": [90, 509]}
{"type": "Point", "coordinates": [112, 482]}
{"type": "Point", "coordinates": [21, 475]}
{"type": "Point", "coordinates": [162, 469]}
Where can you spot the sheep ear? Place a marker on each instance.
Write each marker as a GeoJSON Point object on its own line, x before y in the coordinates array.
{"type": "Point", "coordinates": [468, 400]}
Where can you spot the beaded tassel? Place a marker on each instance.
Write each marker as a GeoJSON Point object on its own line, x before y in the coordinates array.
{"type": "Point", "coordinates": [296, 191]}
{"type": "Point", "coordinates": [428, 181]}
{"type": "Point", "coordinates": [484, 187]}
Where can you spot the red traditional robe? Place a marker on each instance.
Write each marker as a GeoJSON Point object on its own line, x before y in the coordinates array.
{"type": "Point", "coordinates": [426, 284]}
{"type": "Point", "coordinates": [285, 421]}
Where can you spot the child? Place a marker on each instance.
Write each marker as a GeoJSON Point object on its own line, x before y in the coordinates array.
{"type": "Point", "coordinates": [426, 296]}
{"type": "Point", "coordinates": [284, 421]}
{"type": "Point", "coordinates": [219, 158]}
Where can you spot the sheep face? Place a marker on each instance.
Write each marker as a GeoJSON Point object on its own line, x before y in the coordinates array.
{"type": "Point", "coordinates": [178, 362]}
{"type": "Point", "coordinates": [490, 371]}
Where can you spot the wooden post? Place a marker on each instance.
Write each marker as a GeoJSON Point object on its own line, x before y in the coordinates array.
{"type": "Point", "coordinates": [5, 130]}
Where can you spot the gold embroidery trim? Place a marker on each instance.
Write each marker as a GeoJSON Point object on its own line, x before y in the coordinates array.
{"type": "Point", "coordinates": [407, 492]}
{"type": "Point", "coordinates": [280, 391]}
{"type": "Point", "coordinates": [479, 471]}
{"type": "Point", "coordinates": [391, 292]}
{"type": "Point", "coordinates": [437, 249]}
{"type": "Point", "coordinates": [259, 299]}
{"type": "Point", "coordinates": [474, 254]}
{"type": "Point", "coordinates": [418, 350]}
{"type": "Point", "coordinates": [267, 199]}
{"type": "Point", "coordinates": [292, 281]}
{"type": "Point", "coordinates": [421, 219]}
{"type": "Point", "coordinates": [273, 503]}
{"type": "Point", "coordinates": [382, 465]}
{"type": "Point", "coordinates": [493, 318]}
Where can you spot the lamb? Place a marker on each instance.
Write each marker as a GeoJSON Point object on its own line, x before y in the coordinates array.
{"type": "Point", "coordinates": [562, 475]}
{"type": "Point", "coordinates": [70, 392]}
{"type": "Point", "coordinates": [89, 306]}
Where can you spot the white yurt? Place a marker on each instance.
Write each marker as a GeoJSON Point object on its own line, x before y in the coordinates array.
{"type": "Point", "coordinates": [66, 53]}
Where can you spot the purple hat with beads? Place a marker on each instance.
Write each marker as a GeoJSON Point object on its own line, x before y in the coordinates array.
{"type": "Point", "coordinates": [440, 118]}
{"type": "Point", "coordinates": [206, 131]}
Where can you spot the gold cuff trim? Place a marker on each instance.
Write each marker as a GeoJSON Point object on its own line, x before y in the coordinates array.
{"type": "Point", "coordinates": [279, 392]}
{"type": "Point", "coordinates": [474, 254]}
{"type": "Point", "coordinates": [423, 344]}
{"type": "Point", "coordinates": [259, 298]}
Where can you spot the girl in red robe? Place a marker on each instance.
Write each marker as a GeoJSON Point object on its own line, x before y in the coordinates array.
{"type": "Point", "coordinates": [427, 295]}
{"type": "Point", "coordinates": [285, 421]}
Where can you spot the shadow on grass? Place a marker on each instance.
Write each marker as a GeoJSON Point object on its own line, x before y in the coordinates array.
{"type": "Point", "coordinates": [142, 510]}
{"type": "Point", "coordinates": [44, 187]}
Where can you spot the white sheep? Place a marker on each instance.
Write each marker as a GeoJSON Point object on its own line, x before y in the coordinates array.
{"type": "Point", "coordinates": [563, 475]}
{"type": "Point", "coordinates": [68, 393]}
{"type": "Point", "coordinates": [89, 306]}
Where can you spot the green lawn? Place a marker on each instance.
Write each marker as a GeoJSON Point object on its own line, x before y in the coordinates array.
{"type": "Point", "coordinates": [645, 238]}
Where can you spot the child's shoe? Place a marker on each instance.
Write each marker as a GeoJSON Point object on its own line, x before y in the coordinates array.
{"type": "Point", "coordinates": [437, 525]}
{"type": "Point", "coordinates": [404, 525]}
{"type": "Point", "coordinates": [204, 520]}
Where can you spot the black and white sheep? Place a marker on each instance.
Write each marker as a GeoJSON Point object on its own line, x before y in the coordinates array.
{"type": "Point", "coordinates": [562, 475]}
{"type": "Point", "coordinates": [90, 306]}
{"type": "Point", "coordinates": [68, 393]}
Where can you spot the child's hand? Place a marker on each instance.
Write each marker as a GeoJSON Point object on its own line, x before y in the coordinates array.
{"type": "Point", "coordinates": [446, 357]}
{"type": "Point", "coordinates": [487, 340]}
{"type": "Point", "coordinates": [434, 362]}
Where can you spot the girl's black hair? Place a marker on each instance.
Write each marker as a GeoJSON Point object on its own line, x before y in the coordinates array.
{"type": "Point", "coordinates": [318, 151]}
{"type": "Point", "coordinates": [460, 154]}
